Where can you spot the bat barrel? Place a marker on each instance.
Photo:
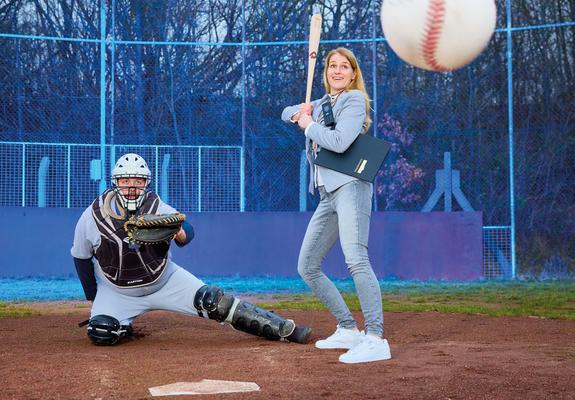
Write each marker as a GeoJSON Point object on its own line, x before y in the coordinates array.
{"type": "Point", "coordinates": [314, 35]}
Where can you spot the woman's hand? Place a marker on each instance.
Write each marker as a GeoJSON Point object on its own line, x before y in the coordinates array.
{"type": "Point", "coordinates": [305, 108]}
{"type": "Point", "coordinates": [304, 120]}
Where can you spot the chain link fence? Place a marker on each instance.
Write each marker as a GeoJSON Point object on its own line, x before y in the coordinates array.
{"type": "Point", "coordinates": [191, 178]}
{"type": "Point", "coordinates": [198, 88]}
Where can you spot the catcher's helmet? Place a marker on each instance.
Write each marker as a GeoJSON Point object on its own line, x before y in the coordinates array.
{"type": "Point", "coordinates": [130, 166]}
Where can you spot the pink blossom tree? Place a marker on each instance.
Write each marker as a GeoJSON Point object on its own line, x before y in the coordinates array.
{"type": "Point", "coordinates": [398, 183]}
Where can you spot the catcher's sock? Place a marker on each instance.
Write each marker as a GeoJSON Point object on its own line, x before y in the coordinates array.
{"type": "Point", "coordinates": [371, 348]}
{"type": "Point", "coordinates": [341, 339]}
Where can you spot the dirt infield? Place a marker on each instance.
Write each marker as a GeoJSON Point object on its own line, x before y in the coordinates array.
{"type": "Point", "coordinates": [436, 356]}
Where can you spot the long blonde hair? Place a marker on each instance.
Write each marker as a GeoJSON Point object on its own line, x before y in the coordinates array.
{"type": "Point", "coordinates": [356, 83]}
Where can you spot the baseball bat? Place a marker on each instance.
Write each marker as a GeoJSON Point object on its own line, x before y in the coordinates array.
{"type": "Point", "coordinates": [314, 34]}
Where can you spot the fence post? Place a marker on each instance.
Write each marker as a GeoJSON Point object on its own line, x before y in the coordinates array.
{"type": "Point", "coordinates": [242, 180]}
{"type": "Point", "coordinates": [103, 184]}
{"type": "Point", "coordinates": [23, 174]}
{"type": "Point", "coordinates": [302, 182]}
{"type": "Point", "coordinates": [42, 177]}
{"type": "Point", "coordinates": [511, 151]}
{"type": "Point", "coordinates": [68, 176]}
{"type": "Point", "coordinates": [199, 179]}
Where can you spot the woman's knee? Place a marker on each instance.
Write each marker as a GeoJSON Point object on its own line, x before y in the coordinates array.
{"type": "Point", "coordinates": [357, 259]}
{"type": "Point", "coordinates": [307, 270]}
{"type": "Point", "coordinates": [360, 267]}
{"type": "Point", "coordinates": [309, 266]}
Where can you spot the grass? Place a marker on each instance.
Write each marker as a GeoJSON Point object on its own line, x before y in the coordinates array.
{"type": "Point", "coordinates": [13, 310]}
{"type": "Point", "coordinates": [550, 299]}
{"type": "Point", "coordinates": [31, 308]}
{"type": "Point", "coordinates": [533, 299]}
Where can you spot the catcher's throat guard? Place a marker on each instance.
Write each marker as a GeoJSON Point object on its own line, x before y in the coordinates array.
{"type": "Point", "coordinates": [247, 317]}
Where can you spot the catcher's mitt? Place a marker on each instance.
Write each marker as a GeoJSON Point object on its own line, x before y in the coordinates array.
{"type": "Point", "coordinates": [151, 228]}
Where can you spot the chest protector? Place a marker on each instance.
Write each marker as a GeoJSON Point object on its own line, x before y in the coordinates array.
{"type": "Point", "coordinates": [122, 264]}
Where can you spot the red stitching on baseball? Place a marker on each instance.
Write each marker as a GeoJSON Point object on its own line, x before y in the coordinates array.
{"type": "Point", "coordinates": [433, 27]}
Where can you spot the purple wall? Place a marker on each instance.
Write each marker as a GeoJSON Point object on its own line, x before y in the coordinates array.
{"type": "Point", "coordinates": [403, 245]}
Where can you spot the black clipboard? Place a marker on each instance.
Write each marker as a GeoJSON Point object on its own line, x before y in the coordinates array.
{"type": "Point", "coordinates": [362, 159]}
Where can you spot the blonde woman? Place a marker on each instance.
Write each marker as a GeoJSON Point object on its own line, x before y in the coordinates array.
{"type": "Point", "coordinates": [343, 212]}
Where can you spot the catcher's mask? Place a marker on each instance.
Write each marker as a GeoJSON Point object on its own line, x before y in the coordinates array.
{"type": "Point", "coordinates": [130, 166]}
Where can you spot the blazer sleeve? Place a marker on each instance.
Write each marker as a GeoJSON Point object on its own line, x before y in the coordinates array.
{"type": "Point", "coordinates": [288, 112]}
{"type": "Point", "coordinates": [291, 110]}
{"type": "Point", "coordinates": [349, 124]}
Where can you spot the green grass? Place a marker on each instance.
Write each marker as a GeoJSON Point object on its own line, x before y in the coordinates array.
{"type": "Point", "coordinates": [12, 310]}
{"type": "Point", "coordinates": [536, 299]}
{"type": "Point", "coordinates": [552, 299]}
{"type": "Point", "coordinates": [28, 309]}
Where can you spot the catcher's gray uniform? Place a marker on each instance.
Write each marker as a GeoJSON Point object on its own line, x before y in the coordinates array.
{"type": "Point", "coordinates": [173, 290]}
{"type": "Point", "coordinates": [134, 278]}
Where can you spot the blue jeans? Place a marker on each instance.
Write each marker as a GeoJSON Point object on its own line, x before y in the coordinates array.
{"type": "Point", "coordinates": [343, 213]}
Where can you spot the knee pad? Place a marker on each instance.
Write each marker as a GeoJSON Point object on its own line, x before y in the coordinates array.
{"type": "Point", "coordinates": [104, 330]}
{"type": "Point", "coordinates": [211, 301]}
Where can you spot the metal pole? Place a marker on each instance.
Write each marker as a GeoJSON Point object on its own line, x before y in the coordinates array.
{"type": "Point", "coordinates": [510, 117]}
{"type": "Point", "coordinates": [68, 179]}
{"type": "Point", "coordinates": [112, 78]}
{"type": "Point", "coordinates": [374, 87]}
{"type": "Point", "coordinates": [242, 175]}
{"type": "Point", "coordinates": [200, 179]}
{"type": "Point", "coordinates": [23, 174]}
{"type": "Point", "coordinates": [242, 180]}
{"type": "Point", "coordinates": [103, 184]}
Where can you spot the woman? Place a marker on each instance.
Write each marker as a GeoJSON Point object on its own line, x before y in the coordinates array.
{"type": "Point", "coordinates": [344, 210]}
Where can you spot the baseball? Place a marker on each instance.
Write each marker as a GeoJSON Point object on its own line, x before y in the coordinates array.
{"type": "Point", "coordinates": [438, 35]}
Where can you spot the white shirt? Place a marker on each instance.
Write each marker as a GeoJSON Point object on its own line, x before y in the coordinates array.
{"type": "Point", "coordinates": [318, 181]}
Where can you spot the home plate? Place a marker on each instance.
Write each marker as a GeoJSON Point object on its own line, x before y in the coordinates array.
{"type": "Point", "coordinates": [205, 386]}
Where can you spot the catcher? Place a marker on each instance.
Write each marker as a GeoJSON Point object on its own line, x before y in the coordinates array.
{"type": "Point", "coordinates": [121, 253]}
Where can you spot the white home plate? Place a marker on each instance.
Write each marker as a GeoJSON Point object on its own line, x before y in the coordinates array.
{"type": "Point", "coordinates": [205, 386]}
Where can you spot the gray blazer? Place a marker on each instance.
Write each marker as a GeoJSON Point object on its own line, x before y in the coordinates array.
{"type": "Point", "coordinates": [349, 114]}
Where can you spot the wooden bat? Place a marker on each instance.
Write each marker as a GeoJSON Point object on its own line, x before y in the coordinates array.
{"type": "Point", "coordinates": [314, 34]}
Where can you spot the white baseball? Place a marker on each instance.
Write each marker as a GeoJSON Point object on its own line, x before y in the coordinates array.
{"type": "Point", "coordinates": [438, 35]}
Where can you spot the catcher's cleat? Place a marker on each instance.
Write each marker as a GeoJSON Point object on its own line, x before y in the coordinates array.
{"type": "Point", "coordinates": [300, 334]}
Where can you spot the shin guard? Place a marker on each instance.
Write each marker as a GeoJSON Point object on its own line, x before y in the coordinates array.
{"type": "Point", "coordinates": [247, 317]}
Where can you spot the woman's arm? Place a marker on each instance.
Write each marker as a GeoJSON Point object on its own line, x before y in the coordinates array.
{"type": "Point", "coordinates": [349, 124]}
{"type": "Point", "coordinates": [293, 111]}
{"type": "Point", "coordinates": [289, 111]}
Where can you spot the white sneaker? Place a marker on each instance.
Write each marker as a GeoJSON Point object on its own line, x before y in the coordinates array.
{"type": "Point", "coordinates": [372, 348]}
{"type": "Point", "coordinates": [341, 339]}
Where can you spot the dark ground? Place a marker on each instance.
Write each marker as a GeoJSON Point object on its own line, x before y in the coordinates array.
{"type": "Point", "coordinates": [435, 356]}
